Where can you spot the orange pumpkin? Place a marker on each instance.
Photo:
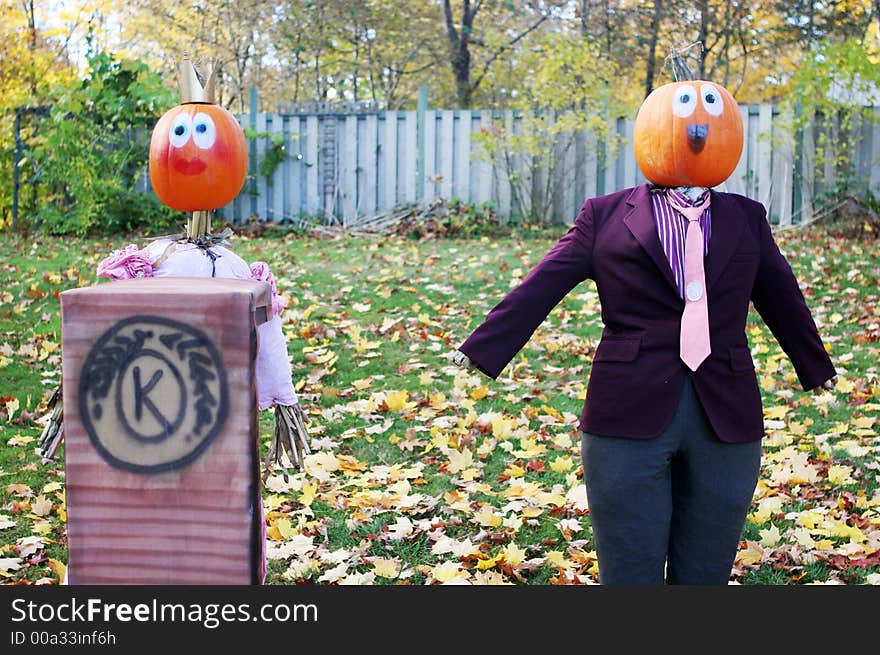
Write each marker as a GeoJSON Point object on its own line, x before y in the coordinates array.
{"type": "Point", "coordinates": [688, 134]}
{"type": "Point", "coordinates": [198, 157]}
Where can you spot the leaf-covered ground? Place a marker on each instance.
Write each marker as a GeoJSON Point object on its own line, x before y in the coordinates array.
{"type": "Point", "coordinates": [425, 474]}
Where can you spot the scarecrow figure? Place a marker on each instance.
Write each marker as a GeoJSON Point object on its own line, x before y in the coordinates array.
{"type": "Point", "coordinates": [198, 162]}
{"type": "Point", "coordinates": [672, 422]}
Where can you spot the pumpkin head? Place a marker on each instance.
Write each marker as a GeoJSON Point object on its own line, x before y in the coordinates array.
{"type": "Point", "coordinates": [198, 157]}
{"type": "Point", "coordinates": [688, 134]}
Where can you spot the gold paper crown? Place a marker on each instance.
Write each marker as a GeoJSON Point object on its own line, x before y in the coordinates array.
{"type": "Point", "coordinates": [191, 88]}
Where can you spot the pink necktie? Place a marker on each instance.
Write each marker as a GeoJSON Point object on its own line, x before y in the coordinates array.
{"type": "Point", "coordinates": [694, 341]}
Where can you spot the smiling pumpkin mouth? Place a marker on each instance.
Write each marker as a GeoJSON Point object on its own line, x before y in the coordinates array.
{"type": "Point", "coordinates": [189, 166]}
{"type": "Point", "coordinates": [696, 134]}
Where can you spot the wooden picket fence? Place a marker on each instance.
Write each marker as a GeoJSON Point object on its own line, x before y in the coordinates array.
{"type": "Point", "coordinates": [344, 168]}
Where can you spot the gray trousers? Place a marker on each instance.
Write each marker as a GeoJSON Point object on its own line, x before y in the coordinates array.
{"type": "Point", "coordinates": [676, 502]}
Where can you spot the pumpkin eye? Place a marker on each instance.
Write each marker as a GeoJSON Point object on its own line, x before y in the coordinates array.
{"type": "Point", "coordinates": [711, 99]}
{"type": "Point", "coordinates": [204, 131]}
{"type": "Point", "coordinates": [684, 101]}
{"type": "Point", "coordinates": [181, 129]}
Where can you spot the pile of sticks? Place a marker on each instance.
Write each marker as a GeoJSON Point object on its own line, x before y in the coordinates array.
{"type": "Point", "coordinates": [387, 221]}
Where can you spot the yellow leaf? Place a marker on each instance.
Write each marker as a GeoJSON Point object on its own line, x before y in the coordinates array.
{"type": "Point", "coordinates": [11, 407]}
{"type": "Point", "coordinates": [502, 427]}
{"type": "Point", "coordinates": [841, 529]}
{"type": "Point", "coordinates": [50, 487]}
{"type": "Point", "coordinates": [767, 507]}
{"type": "Point", "coordinates": [532, 512]}
{"type": "Point", "coordinates": [41, 506]}
{"type": "Point", "coordinates": [776, 412]}
{"type": "Point", "coordinates": [752, 554]}
{"type": "Point", "coordinates": [515, 471]}
{"type": "Point", "coordinates": [308, 494]}
{"type": "Point", "coordinates": [322, 359]}
{"type": "Point", "coordinates": [480, 392]}
{"type": "Point", "coordinates": [386, 568]}
{"type": "Point", "coordinates": [281, 530]}
{"type": "Point", "coordinates": [438, 401]}
{"type": "Point", "coordinates": [840, 474]}
{"type": "Point", "coordinates": [811, 520]}
{"type": "Point", "coordinates": [447, 571]}
{"type": "Point", "coordinates": [272, 502]}
{"type": "Point", "coordinates": [320, 463]}
{"type": "Point", "coordinates": [513, 554]}
{"type": "Point", "coordinates": [770, 537]}
{"type": "Point", "coordinates": [58, 568]}
{"type": "Point", "coordinates": [489, 563]}
{"type": "Point", "coordinates": [396, 400]}
{"type": "Point", "coordinates": [561, 464]}
{"type": "Point", "coordinates": [459, 460]}
{"type": "Point", "coordinates": [803, 538]}
{"type": "Point", "coordinates": [845, 385]}
{"type": "Point", "coordinates": [487, 517]}
{"type": "Point", "coordinates": [797, 428]}
{"type": "Point", "coordinates": [469, 474]}
{"type": "Point", "coordinates": [768, 383]}
{"type": "Point", "coordinates": [545, 498]}
{"type": "Point", "coordinates": [864, 422]}
{"type": "Point", "coordinates": [557, 560]}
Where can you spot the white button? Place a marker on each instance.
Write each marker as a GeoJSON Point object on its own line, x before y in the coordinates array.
{"type": "Point", "coordinates": [694, 291]}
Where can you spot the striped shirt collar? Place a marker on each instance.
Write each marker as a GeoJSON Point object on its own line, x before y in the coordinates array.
{"type": "Point", "coordinates": [683, 199]}
{"type": "Point", "coordinates": [671, 228]}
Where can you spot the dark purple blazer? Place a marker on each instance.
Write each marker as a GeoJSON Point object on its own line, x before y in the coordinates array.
{"type": "Point", "coordinates": [637, 375]}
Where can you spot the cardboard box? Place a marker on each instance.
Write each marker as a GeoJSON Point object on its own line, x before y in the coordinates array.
{"type": "Point", "coordinates": [160, 422]}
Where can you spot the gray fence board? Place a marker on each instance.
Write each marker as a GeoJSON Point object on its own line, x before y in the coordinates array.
{"type": "Point", "coordinates": [430, 187]}
{"type": "Point", "coordinates": [388, 160]}
{"type": "Point", "coordinates": [874, 161]}
{"type": "Point", "coordinates": [408, 146]}
{"type": "Point", "coordinates": [461, 156]}
{"type": "Point", "coordinates": [262, 195]}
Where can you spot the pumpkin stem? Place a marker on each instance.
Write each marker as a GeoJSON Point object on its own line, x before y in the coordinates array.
{"type": "Point", "coordinates": [676, 59]}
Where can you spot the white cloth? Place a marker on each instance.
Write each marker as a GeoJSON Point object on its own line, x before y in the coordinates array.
{"type": "Point", "coordinates": [274, 378]}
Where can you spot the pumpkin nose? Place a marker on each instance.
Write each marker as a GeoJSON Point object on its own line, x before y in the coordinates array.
{"type": "Point", "coordinates": [697, 134]}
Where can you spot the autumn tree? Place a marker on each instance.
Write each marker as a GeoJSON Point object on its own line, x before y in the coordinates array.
{"type": "Point", "coordinates": [479, 33]}
{"type": "Point", "coordinates": [373, 50]}
{"type": "Point", "coordinates": [33, 63]}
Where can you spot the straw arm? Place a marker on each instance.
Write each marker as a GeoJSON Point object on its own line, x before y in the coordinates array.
{"type": "Point", "coordinates": [291, 439]}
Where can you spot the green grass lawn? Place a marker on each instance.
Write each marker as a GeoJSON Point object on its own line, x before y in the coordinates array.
{"type": "Point", "coordinates": [425, 474]}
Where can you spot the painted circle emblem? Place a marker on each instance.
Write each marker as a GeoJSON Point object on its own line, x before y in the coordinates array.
{"type": "Point", "coordinates": [152, 394]}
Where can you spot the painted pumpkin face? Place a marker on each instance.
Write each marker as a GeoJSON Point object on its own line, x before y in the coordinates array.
{"type": "Point", "coordinates": [198, 157]}
{"type": "Point", "coordinates": [688, 134]}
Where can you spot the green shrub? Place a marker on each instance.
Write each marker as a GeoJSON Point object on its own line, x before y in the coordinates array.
{"type": "Point", "coordinates": [93, 149]}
